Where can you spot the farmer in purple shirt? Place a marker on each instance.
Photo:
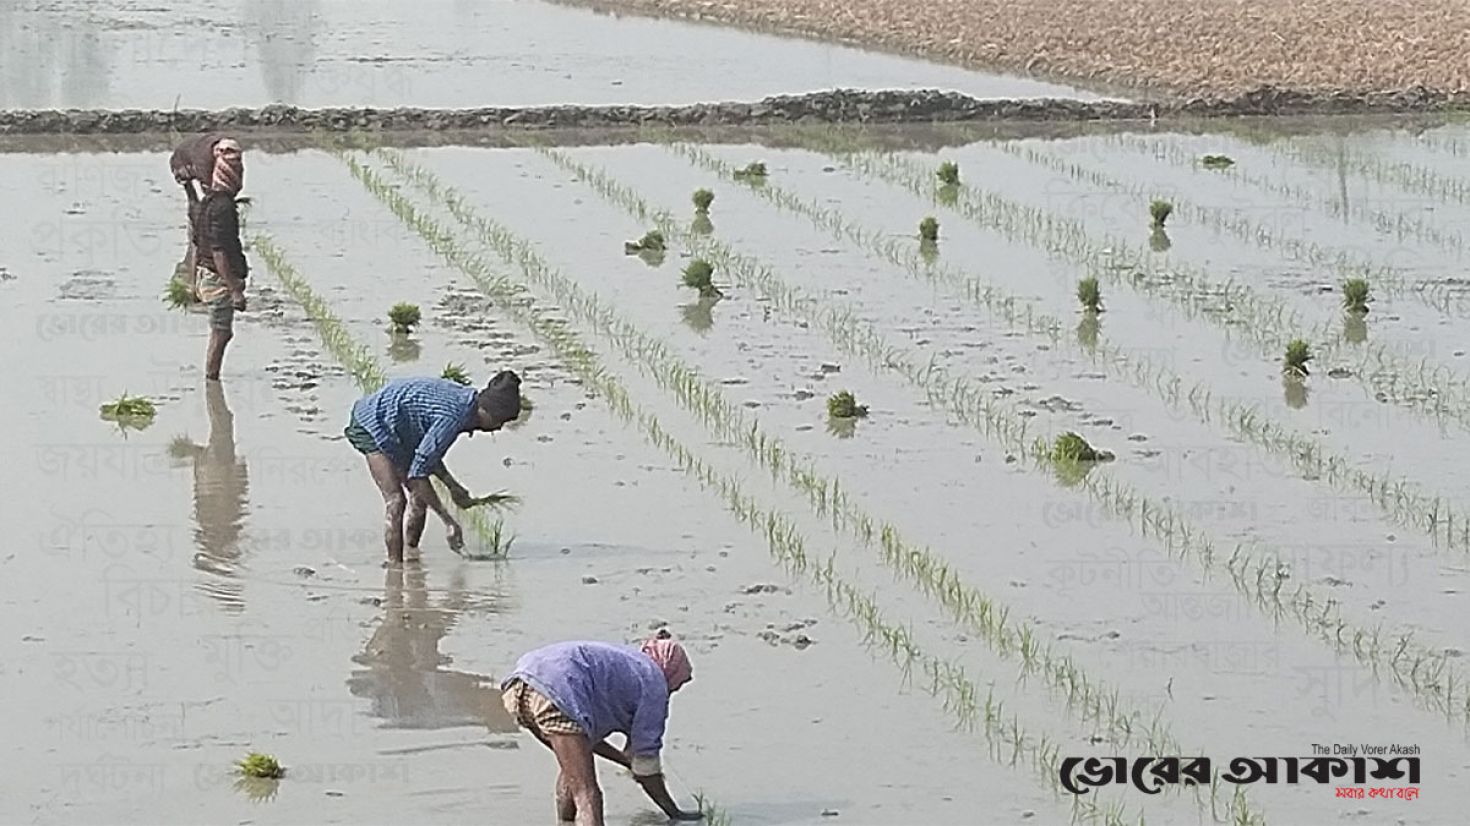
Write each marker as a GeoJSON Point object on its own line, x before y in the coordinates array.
{"type": "Point", "coordinates": [572, 695]}
{"type": "Point", "coordinates": [404, 430]}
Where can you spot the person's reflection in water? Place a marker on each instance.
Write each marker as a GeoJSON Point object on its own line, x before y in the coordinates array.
{"type": "Point", "coordinates": [284, 32]}
{"type": "Point", "coordinates": [221, 494]}
{"type": "Point", "coordinates": [404, 677]}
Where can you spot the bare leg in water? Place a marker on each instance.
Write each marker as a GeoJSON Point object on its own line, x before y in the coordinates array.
{"type": "Point", "coordinates": [214, 357]}
{"type": "Point", "coordinates": [395, 502]}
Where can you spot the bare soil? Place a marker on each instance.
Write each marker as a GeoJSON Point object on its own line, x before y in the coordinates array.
{"type": "Point", "coordinates": [1202, 47]}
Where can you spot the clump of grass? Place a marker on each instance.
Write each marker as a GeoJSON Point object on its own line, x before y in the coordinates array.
{"type": "Point", "coordinates": [700, 275]}
{"type": "Point", "coordinates": [753, 171]}
{"type": "Point", "coordinates": [1160, 210]}
{"type": "Point", "coordinates": [652, 241]}
{"type": "Point", "coordinates": [1217, 162]}
{"type": "Point", "coordinates": [929, 229]}
{"type": "Point", "coordinates": [1298, 353]}
{"type": "Point", "coordinates": [497, 542]}
{"type": "Point", "coordinates": [456, 373]}
{"type": "Point", "coordinates": [844, 405]}
{"type": "Point", "coordinates": [949, 173]}
{"type": "Point", "coordinates": [1090, 295]}
{"type": "Point", "coordinates": [702, 200]}
{"type": "Point", "coordinates": [256, 764]}
{"type": "Point", "coordinates": [1355, 295]}
{"type": "Point", "coordinates": [179, 295]}
{"type": "Point", "coordinates": [404, 317]}
{"type": "Point", "coordinates": [129, 408]}
{"type": "Point", "coordinates": [1071, 447]}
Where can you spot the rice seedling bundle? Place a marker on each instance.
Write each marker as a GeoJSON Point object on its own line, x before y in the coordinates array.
{"type": "Point", "coordinates": [404, 317]}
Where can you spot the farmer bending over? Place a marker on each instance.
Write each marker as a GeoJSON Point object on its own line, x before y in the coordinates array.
{"type": "Point", "coordinates": [572, 695]}
{"type": "Point", "coordinates": [405, 429]}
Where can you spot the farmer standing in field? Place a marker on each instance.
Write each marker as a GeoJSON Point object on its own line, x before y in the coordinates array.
{"type": "Point", "coordinates": [572, 695]}
{"type": "Point", "coordinates": [404, 430]}
{"type": "Point", "coordinates": [219, 268]}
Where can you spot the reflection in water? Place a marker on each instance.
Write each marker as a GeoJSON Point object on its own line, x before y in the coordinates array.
{"type": "Point", "coordinates": [1295, 390]}
{"type": "Point", "coordinates": [284, 32]}
{"type": "Point", "coordinates": [404, 677]}
{"type": "Point", "coordinates": [221, 493]}
{"type": "Point", "coordinates": [402, 349]}
{"type": "Point", "coordinates": [1158, 240]}
{"type": "Point", "coordinates": [699, 316]}
{"type": "Point", "coordinates": [1355, 328]}
{"type": "Point", "coordinates": [45, 64]}
{"type": "Point", "coordinates": [1087, 331]}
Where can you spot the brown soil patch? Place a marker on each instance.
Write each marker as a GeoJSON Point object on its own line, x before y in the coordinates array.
{"type": "Point", "coordinates": [1192, 47]}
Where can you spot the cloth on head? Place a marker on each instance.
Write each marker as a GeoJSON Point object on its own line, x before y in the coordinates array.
{"type": "Point", "coordinates": [671, 659]}
{"type": "Point", "coordinates": [229, 167]}
{"type": "Point", "coordinates": [501, 398]}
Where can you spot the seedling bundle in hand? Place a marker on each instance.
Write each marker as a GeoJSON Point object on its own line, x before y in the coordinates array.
{"type": "Point", "coordinates": [456, 373]}
{"type": "Point", "coordinates": [179, 295]}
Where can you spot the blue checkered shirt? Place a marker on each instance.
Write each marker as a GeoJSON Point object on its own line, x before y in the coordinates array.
{"type": "Point", "coordinates": [414, 421]}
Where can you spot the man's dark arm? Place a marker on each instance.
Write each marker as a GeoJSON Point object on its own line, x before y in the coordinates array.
{"type": "Point", "coordinates": [653, 786]}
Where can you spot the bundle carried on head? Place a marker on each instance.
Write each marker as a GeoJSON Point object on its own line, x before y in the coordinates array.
{"type": "Point", "coordinates": [501, 397]}
{"type": "Point", "coordinates": [197, 158]}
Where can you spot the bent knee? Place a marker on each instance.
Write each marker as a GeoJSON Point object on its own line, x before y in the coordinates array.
{"type": "Point", "coordinates": [395, 503]}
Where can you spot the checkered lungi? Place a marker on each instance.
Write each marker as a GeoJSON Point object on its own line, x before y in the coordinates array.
{"type": "Point", "coordinates": [534, 711]}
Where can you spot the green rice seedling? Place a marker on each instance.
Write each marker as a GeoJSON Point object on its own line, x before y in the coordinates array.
{"type": "Point", "coordinates": [1354, 328]}
{"type": "Point", "coordinates": [652, 241]}
{"type": "Point", "coordinates": [260, 765]}
{"type": "Point", "coordinates": [949, 174]}
{"type": "Point", "coordinates": [753, 172]}
{"type": "Point", "coordinates": [1071, 447]}
{"type": "Point", "coordinates": [132, 410]}
{"type": "Point", "coordinates": [1217, 162]}
{"type": "Point", "coordinates": [1158, 240]}
{"type": "Point", "coordinates": [1089, 295]}
{"type": "Point", "coordinates": [497, 541]}
{"type": "Point", "coordinates": [456, 373]}
{"type": "Point", "coordinates": [178, 295]}
{"type": "Point", "coordinates": [1355, 295]}
{"type": "Point", "coordinates": [702, 200]}
{"type": "Point", "coordinates": [929, 229]}
{"type": "Point", "coordinates": [404, 317]}
{"type": "Point", "coordinates": [1298, 353]}
{"type": "Point", "coordinates": [699, 275]}
{"type": "Point", "coordinates": [1160, 210]}
{"type": "Point", "coordinates": [843, 405]}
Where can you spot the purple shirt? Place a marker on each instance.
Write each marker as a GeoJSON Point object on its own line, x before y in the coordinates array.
{"type": "Point", "coordinates": [605, 688]}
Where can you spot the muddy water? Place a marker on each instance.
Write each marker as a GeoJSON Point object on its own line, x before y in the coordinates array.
{"type": "Point", "coordinates": [442, 53]}
{"type": "Point", "coordinates": [194, 595]}
{"type": "Point", "coordinates": [1157, 614]}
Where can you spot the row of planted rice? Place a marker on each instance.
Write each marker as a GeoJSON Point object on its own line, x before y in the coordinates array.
{"type": "Point", "coordinates": [1240, 540]}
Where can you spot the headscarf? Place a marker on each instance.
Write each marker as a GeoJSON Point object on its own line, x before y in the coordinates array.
{"type": "Point", "coordinates": [229, 167]}
{"type": "Point", "coordinates": [671, 659]}
{"type": "Point", "coordinates": [501, 398]}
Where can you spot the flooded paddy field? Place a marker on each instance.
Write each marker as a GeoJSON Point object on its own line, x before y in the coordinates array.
{"type": "Point", "coordinates": [442, 53]}
{"type": "Point", "coordinates": [909, 617]}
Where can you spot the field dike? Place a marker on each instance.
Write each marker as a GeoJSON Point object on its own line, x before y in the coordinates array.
{"type": "Point", "coordinates": [1256, 568]}
{"type": "Point", "coordinates": [1086, 697]}
{"type": "Point", "coordinates": [1435, 391]}
{"type": "Point", "coordinates": [1402, 500]}
{"type": "Point", "coordinates": [943, 679]}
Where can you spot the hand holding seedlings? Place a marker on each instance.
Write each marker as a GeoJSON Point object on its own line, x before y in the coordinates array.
{"type": "Point", "coordinates": [404, 430]}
